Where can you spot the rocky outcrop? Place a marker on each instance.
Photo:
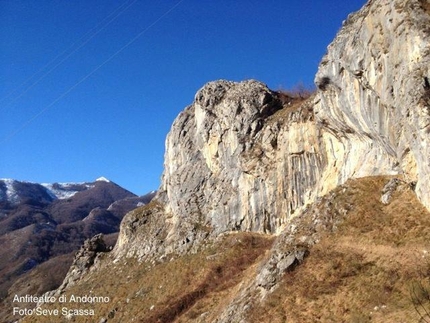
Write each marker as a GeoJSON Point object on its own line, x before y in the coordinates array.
{"type": "Point", "coordinates": [84, 259]}
{"type": "Point", "coordinates": [143, 233]}
{"type": "Point", "coordinates": [209, 151]}
{"type": "Point", "coordinates": [234, 162]}
{"type": "Point", "coordinates": [238, 159]}
{"type": "Point", "coordinates": [389, 189]}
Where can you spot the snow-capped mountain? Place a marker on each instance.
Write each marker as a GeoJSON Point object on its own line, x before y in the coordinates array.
{"type": "Point", "coordinates": [14, 191]}
{"type": "Point", "coordinates": [102, 179]}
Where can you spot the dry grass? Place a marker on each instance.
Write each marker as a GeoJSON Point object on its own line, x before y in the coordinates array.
{"type": "Point", "coordinates": [293, 107]}
{"type": "Point", "coordinates": [179, 290]}
{"type": "Point", "coordinates": [299, 92]}
{"type": "Point", "coordinates": [363, 272]}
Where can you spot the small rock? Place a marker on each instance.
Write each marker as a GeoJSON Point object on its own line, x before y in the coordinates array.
{"type": "Point", "coordinates": [389, 189]}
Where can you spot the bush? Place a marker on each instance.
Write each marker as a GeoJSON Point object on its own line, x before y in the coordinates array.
{"type": "Point", "coordinates": [297, 92]}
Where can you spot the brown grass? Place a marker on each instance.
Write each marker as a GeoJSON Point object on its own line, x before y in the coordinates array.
{"type": "Point", "coordinates": [363, 272]}
{"type": "Point", "coordinates": [302, 107]}
{"type": "Point", "coordinates": [426, 5]}
{"type": "Point", "coordinates": [298, 92]}
{"type": "Point", "coordinates": [179, 290]}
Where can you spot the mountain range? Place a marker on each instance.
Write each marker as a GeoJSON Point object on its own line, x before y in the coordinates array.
{"type": "Point", "coordinates": [42, 225]}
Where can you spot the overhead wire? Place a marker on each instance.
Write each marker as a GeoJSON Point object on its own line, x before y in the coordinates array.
{"type": "Point", "coordinates": [42, 111]}
{"type": "Point", "coordinates": [95, 31]}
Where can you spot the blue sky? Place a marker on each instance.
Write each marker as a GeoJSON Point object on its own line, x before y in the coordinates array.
{"type": "Point", "coordinates": [80, 100]}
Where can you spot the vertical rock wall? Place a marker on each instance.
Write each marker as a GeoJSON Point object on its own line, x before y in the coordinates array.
{"type": "Point", "coordinates": [373, 93]}
{"type": "Point", "coordinates": [239, 159]}
{"type": "Point", "coordinates": [234, 161]}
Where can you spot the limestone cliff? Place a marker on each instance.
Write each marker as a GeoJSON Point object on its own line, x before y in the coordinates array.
{"type": "Point", "coordinates": [234, 161]}
{"type": "Point", "coordinates": [239, 158]}
{"type": "Point", "coordinates": [244, 158]}
{"type": "Point", "coordinates": [373, 99]}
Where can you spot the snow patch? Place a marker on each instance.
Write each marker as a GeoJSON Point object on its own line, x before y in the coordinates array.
{"type": "Point", "coordinates": [55, 190]}
{"type": "Point", "coordinates": [11, 194]}
{"type": "Point", "coordinates": [65, 190]}
{"type": "Point", "coordinates": [102, 179]}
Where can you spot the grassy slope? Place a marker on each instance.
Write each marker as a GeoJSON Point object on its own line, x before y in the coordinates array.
{"type": "Point", "coordinates": [363, 272]}
{"type": "Point", "coordinates": [181, 289]}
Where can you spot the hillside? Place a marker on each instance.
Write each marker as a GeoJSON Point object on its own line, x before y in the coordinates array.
{"type": "Point", "coordinates": [369, 258]}
{"type": "Point", "coordinates": [42, 225]}
{"type": "Point", "coordinates": [369, 267]}
{"type": "Point", "coordinates": [279, 210]}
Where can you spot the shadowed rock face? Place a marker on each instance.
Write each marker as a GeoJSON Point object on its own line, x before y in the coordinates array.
{"type": "Point", "coordinates": [84, 259]}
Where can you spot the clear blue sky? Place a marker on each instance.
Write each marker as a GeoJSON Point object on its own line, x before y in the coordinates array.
{"type": "Point", "coordinates": [74, 106]}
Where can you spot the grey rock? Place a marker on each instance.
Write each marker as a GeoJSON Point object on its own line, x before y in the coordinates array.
{"type": "Point", "coordinates": [238, 158]}
{"type": "Point", "coordinates": [233, 162]}
{"type": "Point", "coordinates": [372, 94]}
{"type": "Point", "coordinates": [389, 189]}
{"type": "Point", "coordinates": [84, 259]}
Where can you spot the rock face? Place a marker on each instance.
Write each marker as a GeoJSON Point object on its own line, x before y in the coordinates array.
{"type": "Point", "coordinates": [233, 161]}
{"type": "Point", "coordinates": [206, 164]}
{"type": "Point", "coordinates": [237, 159]}
{"type": "Point", "coordinates": [83, 260]}
{"type": "Point", "coordinates": [373, 98]}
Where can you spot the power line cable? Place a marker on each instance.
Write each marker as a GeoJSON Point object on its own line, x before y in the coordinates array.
{"type": "Point", "coordinates": [42, 111]}
{"type": "Point", "coordinates": [94, 32]}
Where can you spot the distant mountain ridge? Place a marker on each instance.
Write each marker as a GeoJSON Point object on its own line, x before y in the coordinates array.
{"type": "Point", "coordinates": [43, 223]}
{"type": "Point", "coordinates": [13, 191]}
